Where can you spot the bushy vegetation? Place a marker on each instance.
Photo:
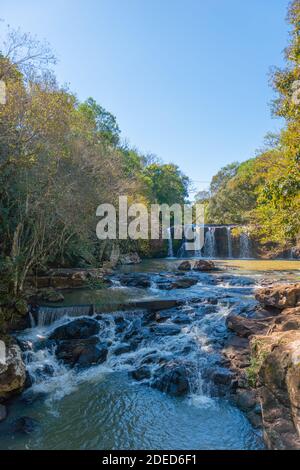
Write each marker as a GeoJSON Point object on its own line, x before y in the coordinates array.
{"type": "Point", "coordinates": [60, 159]}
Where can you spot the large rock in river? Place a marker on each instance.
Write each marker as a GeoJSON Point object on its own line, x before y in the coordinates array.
{"type": "Point", "coordinates": [12, 370]}
{"type": "Point", "coordinates": [82, 352]}
{"type": "Point", "coordinates": [76, 329]}
{"type": "Point", "coordinates": [172, 378]}
{"type": "Point", "coordinates": [277, 358]}
{"type": "Point", "coordinates": [204, 265]}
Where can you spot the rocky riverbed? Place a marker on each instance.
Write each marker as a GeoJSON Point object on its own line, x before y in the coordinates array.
{"type": "Point", "coordinates": [194, 340]}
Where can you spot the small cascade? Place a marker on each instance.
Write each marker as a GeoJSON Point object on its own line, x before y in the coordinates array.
{"type": "Point", "coordinates": [245, 246]}
{"type": "Point", "coordinates": [229, 242]}
{"type": "Point", "coordinates": [44, 316]}
{"type": "Point", "coordinates": [210, 243]}
{"type": "Point", "coordinates": [170, 244]}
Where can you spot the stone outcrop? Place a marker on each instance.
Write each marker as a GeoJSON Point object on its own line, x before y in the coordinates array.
{"type": "Point", "coordinates": [12, 371]}
{"type": "Point", "coordinates": [265, 357]}
{"type": "Point", "coordinates": [204, 265]}
{"type": "Point", "coordinates": [278, 383]}
{"type": "Point", "coordinates": [279, 297]}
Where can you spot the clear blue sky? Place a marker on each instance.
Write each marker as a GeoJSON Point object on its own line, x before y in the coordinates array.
{"type": "Point", "coordinates": [186, 79]}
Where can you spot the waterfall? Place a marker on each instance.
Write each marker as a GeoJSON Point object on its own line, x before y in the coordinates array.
{"type": "Point", "coordinates": [229, 242]}
{"type": "Point", "coordinates": [245, 245]}
{"type": "Point", "coordinates": [210, 243]}
{"type": "Point", "coordinates": [170, 244]}
{"type": "Point", "coordinates": [44, 315]}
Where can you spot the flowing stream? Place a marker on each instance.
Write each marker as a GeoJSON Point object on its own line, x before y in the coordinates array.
{"type": "Point", "coordinates": [126, 402]}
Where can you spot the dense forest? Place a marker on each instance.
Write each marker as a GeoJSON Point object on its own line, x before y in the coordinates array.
{"type": "Point", "coordinates": [60, 158]}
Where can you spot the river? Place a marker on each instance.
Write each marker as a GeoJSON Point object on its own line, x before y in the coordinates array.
{"type": "Point", "coordinates": [105, 407]}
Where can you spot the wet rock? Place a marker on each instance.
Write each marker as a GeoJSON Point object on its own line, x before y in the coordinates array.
{"type": "Point", "coordinates": [135, 280]}
{"type": "Point", "coordinates": [172, 378]}
{"type": "Point", "coordinates": [280, 297]}
{"type": "Point", "coordinates": [277, 360]}
{"type": "Point", "coordinates": [76, 329]}
{"type": "Point", "coordinates": [166, 330]}
{"type": "Point", "coordinates": [141, 373]}
{"type": "Point", "coordinates": [25, 425]}
{"type": "Point", "coordinates": [183, 283]}
{"type": "Point", "coordinates": [204, 265]}
{"type": "Point", "coordinates": [83, 352]}
{"type": "Point", "coordinates": [246, 400]}
{"type": "Point", "coordinates": [12, 372]}
{"type": "Point", "coordinates": [24, 345]}
{"type": "Point", "coordinates": [3, 413]}
{"type": "Point", "coordinates": [222, 376]}
{"type": "Point", "coordinates": [185, 266]}
{"type": "Point", "coordinates": [255, 418]}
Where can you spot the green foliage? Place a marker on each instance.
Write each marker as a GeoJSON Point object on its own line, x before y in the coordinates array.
{"type": "Point", "coordinates": [166, 184]}
{"type": "Point", "coordinates": [265, 191]}
{"type": "Point", "coordinates": [60, 159]}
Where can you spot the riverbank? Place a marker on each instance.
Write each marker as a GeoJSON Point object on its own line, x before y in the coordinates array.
{"type": "Point", "coordinates": [158, 333]}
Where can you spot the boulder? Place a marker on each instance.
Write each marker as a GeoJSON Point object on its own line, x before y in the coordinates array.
{"type": "Point", "coordinates": [204, 265]}
{"type": "Point", "coordinates": [246, 400]}
{"type": "Point", "coordinates": [222, 376]}
{"type": "Point", "coordinates": [136, 280]}
{"type": "Point", "coordinates": [183, 283]}
{"type": "Point", "coordinates": [77, 329]}
{"type": "Point", "coordinates": [185, 266]}
{"type": "Point", "coordinates": [279, 297]}
{"type": "Point", "coordinates": [12, 370]}
{"type": "Point", "coordinates": [172, 378]}
{"type": "Point", "coordinates": [82, 352]}
{"type": "Point", "coordinates": [278, 369]}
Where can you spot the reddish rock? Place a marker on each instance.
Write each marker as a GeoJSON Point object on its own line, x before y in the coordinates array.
{"type": "Point", "coordinates": [204, 265]}
{"type": "Point", "coordinates": [280, 297]}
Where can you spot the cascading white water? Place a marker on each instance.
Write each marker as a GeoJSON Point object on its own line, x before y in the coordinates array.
{"type": "Point", "coordinates": [210, 243]}
{"type": "Point", "coordinates": [245, 246]}
{"type": "Point", "coordinates": [48, 315]}
{"type": "Point", "coordinates": [170, 244]}
{"type": "Point", "coordinates": [229, 242]}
